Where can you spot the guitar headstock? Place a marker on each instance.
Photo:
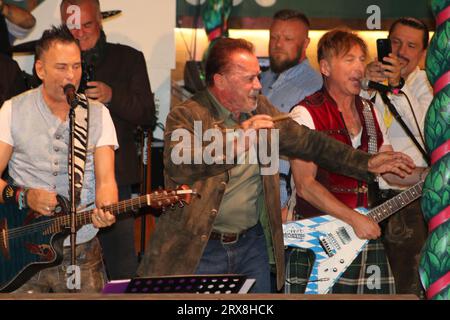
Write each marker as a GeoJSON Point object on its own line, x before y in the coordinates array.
{"type": "Point", "coordinates": [164, 198]}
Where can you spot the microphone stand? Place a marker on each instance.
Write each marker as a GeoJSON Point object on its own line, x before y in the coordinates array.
{"type": "Point", "coordinates": [146, 184]}
{"type": "Point", "coordinates": [73, 209]}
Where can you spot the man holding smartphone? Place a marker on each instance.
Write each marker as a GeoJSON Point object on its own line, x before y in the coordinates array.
{"type": "Point", "coordinates": [405, 232]}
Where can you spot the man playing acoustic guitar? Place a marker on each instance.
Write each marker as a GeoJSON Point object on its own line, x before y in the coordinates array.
{"type": "Point", "coordinates": [34, 140]}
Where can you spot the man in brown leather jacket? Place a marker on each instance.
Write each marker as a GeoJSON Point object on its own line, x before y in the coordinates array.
{"type": "Point", "coordinates": [234, 226]}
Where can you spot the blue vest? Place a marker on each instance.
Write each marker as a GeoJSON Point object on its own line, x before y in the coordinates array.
{"type": "Point", "coordinates": [40, 154]}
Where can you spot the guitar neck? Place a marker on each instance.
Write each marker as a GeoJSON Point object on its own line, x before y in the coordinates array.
{"type": "Point", "coordinates": [155, 199]}
{"type": "Point", "coordinates": [85, 217]}
{"type": "Point", "coordinates": [117, 208]}
{"type": "Point", "coordinates": [401, 200]}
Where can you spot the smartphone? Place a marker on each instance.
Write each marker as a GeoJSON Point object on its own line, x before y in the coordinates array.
{"type": "Point", "coordinates": [383, 49]}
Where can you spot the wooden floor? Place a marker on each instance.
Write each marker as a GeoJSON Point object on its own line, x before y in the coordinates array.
{"type": "Point", "coordinates": [81, 296]}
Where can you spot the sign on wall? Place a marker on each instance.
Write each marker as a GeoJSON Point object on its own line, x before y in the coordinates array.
{"type": "Point", "coordinates": [256, 13]}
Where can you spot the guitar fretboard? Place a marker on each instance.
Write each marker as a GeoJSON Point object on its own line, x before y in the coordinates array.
{"type": "Point", "coordinates": [391, 206]}
{"type": "Point", "coordinates": [156, 199]}
{"type": "Point", "coordinates": [115, 209]}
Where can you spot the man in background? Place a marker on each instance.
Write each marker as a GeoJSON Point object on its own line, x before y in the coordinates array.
{"type": "Point", "coordinates": [405, 232]}
{"type": "Point", "coordinates": [15, 22]}
{"type": "Point", "coordinates": [291, 77]}
{"type": "Point", "coordinates": [115, 75]}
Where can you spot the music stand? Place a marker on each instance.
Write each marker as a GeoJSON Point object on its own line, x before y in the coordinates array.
{"type": "Point", "coordinates": [207, 284]}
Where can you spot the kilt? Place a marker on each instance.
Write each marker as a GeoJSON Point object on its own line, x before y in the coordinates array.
{"type": "Point", "coordinates": [357, 279]}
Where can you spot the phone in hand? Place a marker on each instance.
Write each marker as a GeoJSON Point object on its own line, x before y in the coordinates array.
{"type": "Point", "coordinates": [383, 49]}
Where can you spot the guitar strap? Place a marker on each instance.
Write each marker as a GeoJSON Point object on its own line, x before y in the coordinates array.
{"type": "Point", "coordinates": [372, 192]}
{"type": "Point", "coordinates": [80, 145]}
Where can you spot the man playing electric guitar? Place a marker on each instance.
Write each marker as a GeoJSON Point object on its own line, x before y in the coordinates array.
{"type": "Point", "coordinates": [338, 111]}
{"type": "Point", "coordinates": [34, 139]}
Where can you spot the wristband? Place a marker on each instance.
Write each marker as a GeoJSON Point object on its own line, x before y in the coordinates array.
{"type": "Point", "coordinates": [11, 194]}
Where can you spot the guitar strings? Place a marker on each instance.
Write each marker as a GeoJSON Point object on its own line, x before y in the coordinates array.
{"type": "Point", "coordinates": [60, 221]}
{"type": "Point", "coordinates": [81, 216]}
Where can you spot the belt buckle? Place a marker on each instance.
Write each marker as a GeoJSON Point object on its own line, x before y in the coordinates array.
{"type": "Point", "coordinates": [362, 189]}
{"type": "Point", "coordinates": [222, 235]}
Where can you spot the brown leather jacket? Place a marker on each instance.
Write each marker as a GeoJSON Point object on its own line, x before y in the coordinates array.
{"type": "Point", "coordinates": [181, 235]}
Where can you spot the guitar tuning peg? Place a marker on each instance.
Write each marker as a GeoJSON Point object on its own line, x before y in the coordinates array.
{"type": "Point", "coordinates": [172, 206]}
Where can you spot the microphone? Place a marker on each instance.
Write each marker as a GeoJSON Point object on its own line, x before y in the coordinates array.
{"type": "Point", "coordinates": [367, 84]}
{"type": "Point", "coordinates": [71, 96]}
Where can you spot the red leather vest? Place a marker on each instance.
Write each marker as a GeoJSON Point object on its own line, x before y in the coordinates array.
{"type": "Point", "coordinates": [328, 119]}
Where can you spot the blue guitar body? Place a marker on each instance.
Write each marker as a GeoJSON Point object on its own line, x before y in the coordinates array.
{"type": "Point", "coordinates": [30, 242]}
{"type": "Point", "coordinates": [23, 253]}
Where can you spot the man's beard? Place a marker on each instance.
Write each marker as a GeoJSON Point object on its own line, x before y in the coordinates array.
{"type": "Point", "coordinates": [281, 66]}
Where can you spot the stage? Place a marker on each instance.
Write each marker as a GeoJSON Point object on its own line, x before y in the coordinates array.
{"type": "Point", "coordinates": [210, 297]}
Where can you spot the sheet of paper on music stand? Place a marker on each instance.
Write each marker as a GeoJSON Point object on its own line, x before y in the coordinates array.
{"type": "Point", "coordinates": [246, 286]}
{"type": "Point", "coordinates": [116, 286]}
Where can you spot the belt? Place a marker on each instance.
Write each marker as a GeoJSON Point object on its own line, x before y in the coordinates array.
{"type": "Point", "coordinates": [228, 238]}
{"type": "Point", "coordinates": [362, 189]}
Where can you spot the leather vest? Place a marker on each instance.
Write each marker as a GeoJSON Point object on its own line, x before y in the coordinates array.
{"type": "Point", "coordinates": [327, 118]}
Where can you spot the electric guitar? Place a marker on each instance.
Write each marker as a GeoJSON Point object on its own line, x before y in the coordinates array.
{"type": "Point", "coordinates": [334, 243]}
{"type": "Point", "coordinates": [30, 242]}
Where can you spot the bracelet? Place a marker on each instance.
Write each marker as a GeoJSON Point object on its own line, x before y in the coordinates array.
{"type": "Point", "coordinates": [22, 199]}
{"type": "Point", "coordinates": [25, 198]}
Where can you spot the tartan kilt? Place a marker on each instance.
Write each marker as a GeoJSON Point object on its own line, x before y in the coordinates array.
{"type": "Point", "coordinates": [353, 280]}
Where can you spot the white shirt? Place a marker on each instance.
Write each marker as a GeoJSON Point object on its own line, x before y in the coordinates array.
{"type": "Point", "coordinates": [303, 117]}
{"type": "Point", "coordinates": [17, 31]}
{"type": "Point", "coordinates": [420, 93]}
{"type": "Point", "coordinates": [40, 141]}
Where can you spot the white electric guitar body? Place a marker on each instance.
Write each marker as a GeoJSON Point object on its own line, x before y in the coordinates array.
{"type": "Point", "coordinates": [334, 243]}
